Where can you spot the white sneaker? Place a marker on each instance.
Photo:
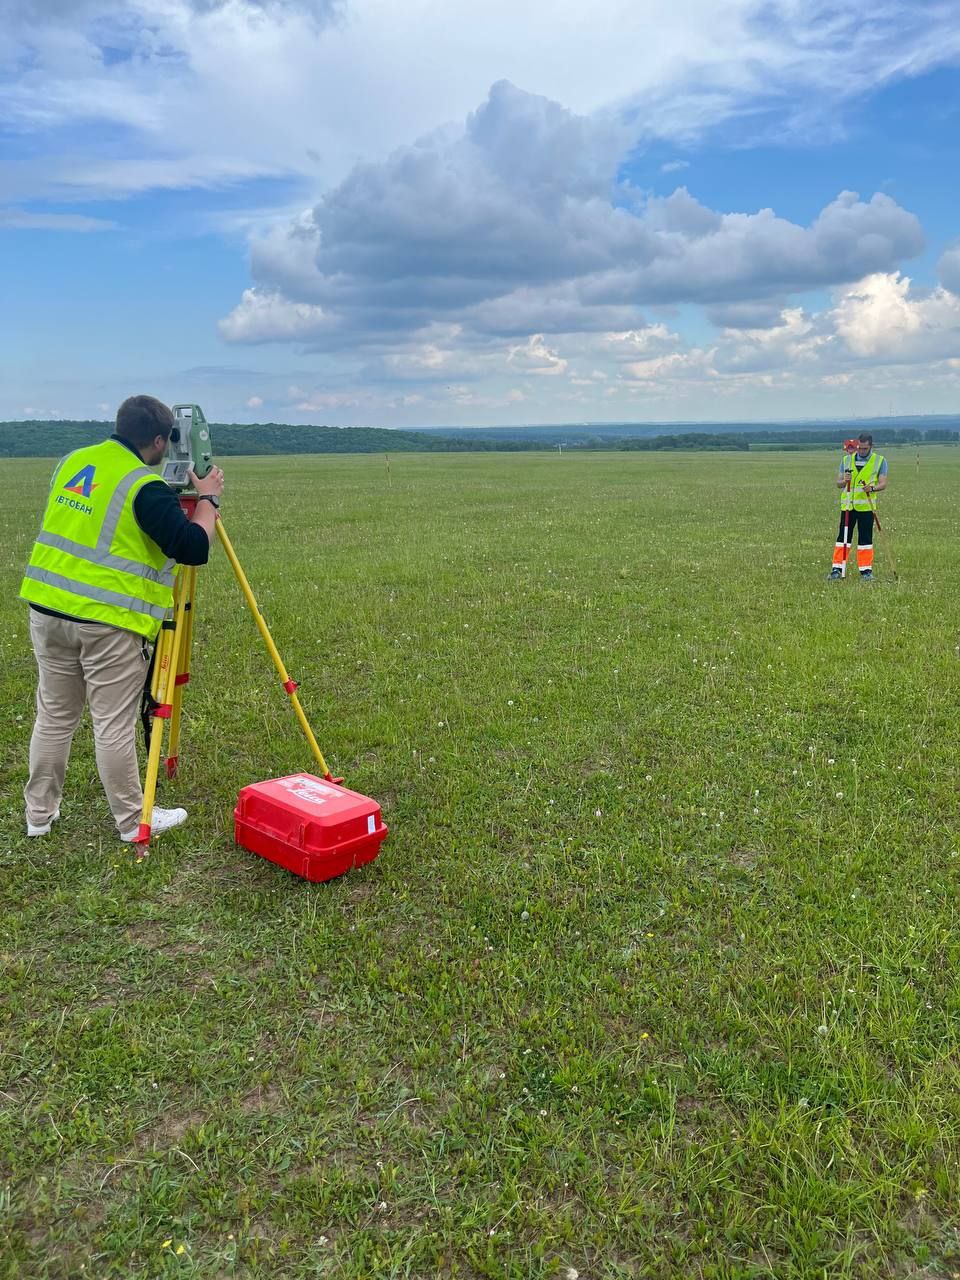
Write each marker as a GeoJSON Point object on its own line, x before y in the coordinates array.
{"type": "Point", "coordinates": [163, 820]}
{"type": "Point", "coordinates": [44, 828]}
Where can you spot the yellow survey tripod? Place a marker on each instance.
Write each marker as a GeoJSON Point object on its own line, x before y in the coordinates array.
{"type": "Point", "coordinates": [170, 671]}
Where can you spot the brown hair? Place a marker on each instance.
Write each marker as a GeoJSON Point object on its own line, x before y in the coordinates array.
{"type": "Point", "coordinates": [865, 435]}
{"type": "Point", "coordinates": [141, 418]}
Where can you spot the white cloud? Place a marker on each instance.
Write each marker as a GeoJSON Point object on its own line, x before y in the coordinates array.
{"type": "Point", "coordinates": [534, 356]}
{"type": "Point", "coordinates": [254, 402]}
{"type": "Point", "coordinates": [883, 318]}
{"type": "Point", "coordinates": [461, 260]}
{"type": "Point", "coordinates": [670, 366]}
{"type": "Point", "coordinates": [793, 341]}
{"type": "Point", "coordinates": [269, 317]}
{"type": "Point", "coordinates": [501, 249]}
{"type": "Point", "coordinates": [633, 343]}
{"type": "Point", "coordinates": [515, 224]}
{"type": "Point", "coordinates": [878, 323]}
{"type": "Point", "coordinates": [207, 91]}
{"type": "Point", "coordinates": [431, 361]}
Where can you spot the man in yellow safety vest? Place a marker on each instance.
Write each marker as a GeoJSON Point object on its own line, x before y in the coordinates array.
{"type": "Point", "coordinates": [862, 474]}
{"type": "Point", "coordinates": [99, 583]}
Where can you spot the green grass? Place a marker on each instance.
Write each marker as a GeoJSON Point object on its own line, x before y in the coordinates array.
{"type": "Point", "coordinates": [656, 974]}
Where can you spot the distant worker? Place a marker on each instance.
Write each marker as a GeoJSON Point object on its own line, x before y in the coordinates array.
{"type": "Point", "coordinates": [99, 583]}
{"type": "Point", "coordinates": [862, 473]}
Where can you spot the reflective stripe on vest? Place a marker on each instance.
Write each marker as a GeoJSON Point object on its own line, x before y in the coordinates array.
{"type": "Point", "coordinates": [855, 498]}
{"type": "Point", "coordinates": [90, 553]}
{"type": "Point", "coordinates": [99, 594]}
{"type": "Point", "coordinates": [96, 556]}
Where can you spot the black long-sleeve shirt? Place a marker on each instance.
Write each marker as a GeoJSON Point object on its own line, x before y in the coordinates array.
{"type": "Point", "coordinates": [157, 511]}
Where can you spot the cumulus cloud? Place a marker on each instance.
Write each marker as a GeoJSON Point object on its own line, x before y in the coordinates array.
{"type": "Point", "coordinates": [555, 308]}
{"type": "Point", "coordinates": [676, 364]}
{"type": "Point", "coordinates": [794, 341]}
{"type": "Point", "coordinates": [534, 356]}
{"type": "Point", "coordinates": [437, 357]}
{"type": "Point", "coordinates": [633, 344]}
{"type": "Point", "coordinates": [883, 318]}
{"type": "Point", "coordinates": [879, 324]}
{"type": "Point", "coordinates": [516, 224]}
{"type": "Point", "coordinates": [268, 317]}
{"type": "Point", "coordinates": [503, 246]}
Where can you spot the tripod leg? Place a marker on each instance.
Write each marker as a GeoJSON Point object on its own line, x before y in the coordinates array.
{"type": "Point", "coordinates": [183, 672]}
{"type": "Point", "coordinates": [166, 677]}
{"type": "Point", "coordinates": [885, 544]}
{"type": "Point", "coordinates": [290, 686]}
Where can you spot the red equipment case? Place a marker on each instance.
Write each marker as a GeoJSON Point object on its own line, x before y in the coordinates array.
{"type": "Point", "coordinates": [314, 828]}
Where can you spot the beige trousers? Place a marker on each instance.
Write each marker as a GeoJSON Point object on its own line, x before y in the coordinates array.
{"type": "Point", "coordinates": [86, 662]}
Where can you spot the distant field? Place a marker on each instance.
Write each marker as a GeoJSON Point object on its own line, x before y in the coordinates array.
{"type": "Point", "coordinates": [657, 973]}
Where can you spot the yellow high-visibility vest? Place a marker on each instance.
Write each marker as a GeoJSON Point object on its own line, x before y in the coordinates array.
{"type": "Point", "coordinates": [91, 559]}
{"type": "Point", "coordinates": [856, 498]}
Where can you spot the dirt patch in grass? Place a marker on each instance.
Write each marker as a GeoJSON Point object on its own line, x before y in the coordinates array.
{"type": "Point", "coordinates": [360, 891]}
{"type": "Point", "coordinates": [744, 859]}
{"type": "Point", "coordinates": [147, 933]}
{"type": "Point", "coordinates": [54, 1257]}
{"type": "Point", "coordinates": [154, 935]}
{"type": "Point", "coordinates": [202, 980]}
{"type": "Point", "coordinates": [265, 1098]}
{"type": "Point", "coordinates": [326, 1017]}
{"type": "Point", "coordinates": [169, 1130]}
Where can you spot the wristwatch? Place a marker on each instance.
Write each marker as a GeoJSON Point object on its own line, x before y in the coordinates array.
{"type": "Point", "coordinates": [208, 497]}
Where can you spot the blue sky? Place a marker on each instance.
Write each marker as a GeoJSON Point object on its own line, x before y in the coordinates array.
{"type": "Point", "coordinates": [295, 210]}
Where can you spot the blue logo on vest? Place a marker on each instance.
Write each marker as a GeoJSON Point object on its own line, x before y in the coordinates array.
{"type": "Point", "coordinates": [82, 483]}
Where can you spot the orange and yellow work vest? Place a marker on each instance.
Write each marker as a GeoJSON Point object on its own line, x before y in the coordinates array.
{"type": "Point", "coordinates": [856, 497]}
{"type": "Point", "coordinates": [91, 559]}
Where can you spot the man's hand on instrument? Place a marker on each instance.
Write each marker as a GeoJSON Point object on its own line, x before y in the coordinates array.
{"type": "Point", "coordinates": [212, 483]}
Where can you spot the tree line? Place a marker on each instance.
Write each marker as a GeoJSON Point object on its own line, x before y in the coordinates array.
{"type": "Point", "coordinates": [53, 439]}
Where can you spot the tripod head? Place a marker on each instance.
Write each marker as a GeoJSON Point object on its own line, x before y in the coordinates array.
{"type": "Point", "coordinates": [189, 447]}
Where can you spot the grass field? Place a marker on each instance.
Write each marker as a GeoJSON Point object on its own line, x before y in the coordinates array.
{"type": "Point", "coordinates": [657, 973]}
